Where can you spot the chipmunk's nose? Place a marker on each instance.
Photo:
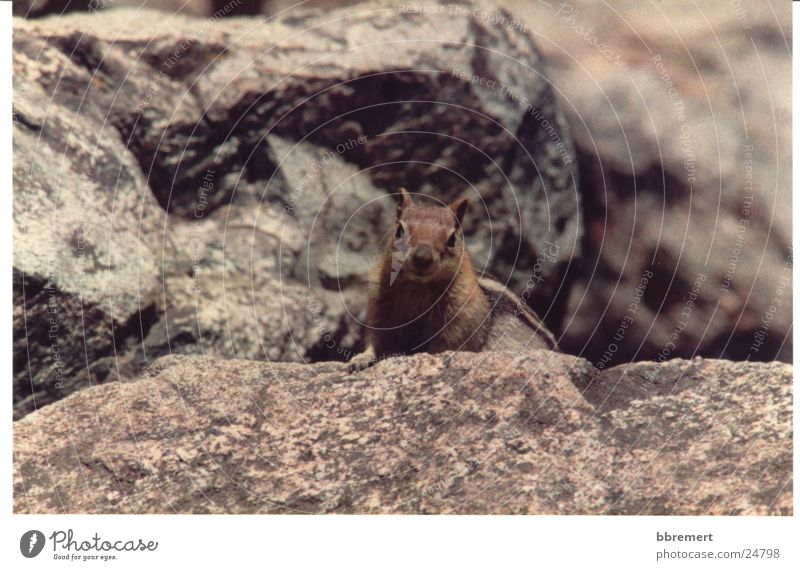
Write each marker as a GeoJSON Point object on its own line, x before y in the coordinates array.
{"type": "Point", "coordinates": [422, 258]}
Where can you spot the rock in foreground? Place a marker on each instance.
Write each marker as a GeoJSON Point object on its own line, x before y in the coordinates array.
{"type": "Point", "coordinates": [459, 433]}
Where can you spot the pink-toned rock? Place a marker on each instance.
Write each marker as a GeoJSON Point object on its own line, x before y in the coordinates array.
{"type": "Point", "coordinates": [453, 433]}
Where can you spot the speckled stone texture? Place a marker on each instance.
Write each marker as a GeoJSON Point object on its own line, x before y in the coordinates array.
{"type": "Point", "coordinates": [543, 433]}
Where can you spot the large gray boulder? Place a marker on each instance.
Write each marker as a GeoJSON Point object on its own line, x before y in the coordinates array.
{"type": "Point", "coordinates": [86, 233]}
{"type": "Point", "coordinates": [484, 433]}
{"type": "Point", "coordinates": [241, 172]}
{"type": "Point", "coordinates": [681, 117]}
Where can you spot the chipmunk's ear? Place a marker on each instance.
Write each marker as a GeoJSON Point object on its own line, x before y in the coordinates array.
{"type": "Point", "coordinates": [459, 207]}
{"type": "Point", "coordinates": [403, 201]}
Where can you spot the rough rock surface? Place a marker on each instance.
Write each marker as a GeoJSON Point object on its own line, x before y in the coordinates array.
{"type": "Point", "coordinates": [681, 117]}
{"type": "Point", "coordinates": [453, 433]}
{"type": "Point", "coordinates": [86, 233]}
{"type": "Point", "coordinates": [273, 146]}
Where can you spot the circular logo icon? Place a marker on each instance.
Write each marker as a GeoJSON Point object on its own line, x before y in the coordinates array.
{"type": "Point", "coordinates": [31, 543]}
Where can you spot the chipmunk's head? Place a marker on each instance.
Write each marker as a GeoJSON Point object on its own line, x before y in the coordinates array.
{"type": "Point", "coordinates": [428, 241]}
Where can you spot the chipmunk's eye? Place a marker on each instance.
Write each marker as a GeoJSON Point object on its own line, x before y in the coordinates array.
{"type": "Point", "coordinates": [452, 241]}
{"type": "Point", "coordinates": [399, 232]}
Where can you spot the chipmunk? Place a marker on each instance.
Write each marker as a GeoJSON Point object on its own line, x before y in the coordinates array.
{"type": "Point", "coordinates": [424, 294]}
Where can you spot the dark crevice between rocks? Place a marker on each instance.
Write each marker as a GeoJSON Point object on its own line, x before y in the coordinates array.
{"type": "Point", "coordinates": [22, 119]}
{"type": "Point", "coordinates": [32, 342]}
{"type": "Point", "coordinates": [322, 351]}
{"type": "Point", "coordinates": [197, 57]}
{"type": "Point", "coordinates": [82, 50]}
{"type": "Point", "coordinates": [116, 362]}
{"type": "Point", "coordinates": [374, 105]}
{"type": "Point", "coordinates": [594, 212]}
{"type": "Point", "coordinates": [731, 346]}
{"type": "Point", "coordinates": [182, 339]}
{"type": "Point", "coordinates": [129, 337]}
{"type": "Point", "coordinates": [666, 286]}
{"type": "Point", "coordinates": [600, 191]}
{"type": "Point", "coordinates": [38, 9]}
{"type": "Point", "coordinates": [347, 111]}
{"type": "Point", "coordinates": [33, 9]}
{"type": "Point", "coordinates": [208, 152]}
{"type": "Point", "coordinates": [218, 7]}
{"type": "Point", "coordinates": [26, 290]}
{"type": "Point", "coordinates": [552, 295]}
{"type": "Point", "coordinates": [666, 289]}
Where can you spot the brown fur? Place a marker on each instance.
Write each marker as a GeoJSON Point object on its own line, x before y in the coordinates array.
{"type": "Point", "coordinates": [424, 295]}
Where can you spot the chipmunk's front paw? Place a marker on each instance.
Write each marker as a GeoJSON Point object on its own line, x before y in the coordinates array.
{"type": "Point", "coordinates": [361, 362]}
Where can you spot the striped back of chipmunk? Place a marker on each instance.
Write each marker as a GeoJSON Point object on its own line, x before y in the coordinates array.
{"type": "Point", "coordinates": [514, 321]}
